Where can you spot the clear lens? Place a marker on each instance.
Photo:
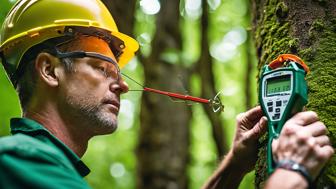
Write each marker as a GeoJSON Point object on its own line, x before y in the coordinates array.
{"type": "Point", "coordinates": [112, 71]}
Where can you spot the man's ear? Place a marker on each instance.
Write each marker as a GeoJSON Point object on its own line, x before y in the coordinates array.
{"type": "Point", "coordinates": [47, 67]}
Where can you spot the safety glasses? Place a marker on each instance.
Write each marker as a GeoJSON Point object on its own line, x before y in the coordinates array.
{"type": "Point", "coordinates": [52, 46]}
{"type": "Point", "coordinates": [114, 72]}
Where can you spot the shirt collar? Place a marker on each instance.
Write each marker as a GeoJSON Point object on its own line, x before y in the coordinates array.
{"type": "Point", "coordinates": [31, 127]}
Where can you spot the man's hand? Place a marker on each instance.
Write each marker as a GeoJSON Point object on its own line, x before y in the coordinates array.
{"type": "Point", "coordinates": [250, 126]}
{"type": "Point", "coordinates": [243, 155]}
{"type": "Point", "coordinates": [303, 140]}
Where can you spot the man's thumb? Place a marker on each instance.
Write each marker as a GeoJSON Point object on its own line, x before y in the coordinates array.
{"type": "Point", "coordinates": [259, 129]}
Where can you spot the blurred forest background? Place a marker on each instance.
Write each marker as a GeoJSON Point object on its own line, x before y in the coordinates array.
{"type": "Point", "coordinates": [194, 47]}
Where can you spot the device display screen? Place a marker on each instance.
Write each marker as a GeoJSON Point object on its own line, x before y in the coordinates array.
{"type": "Point", "coordinates": [278, 85]}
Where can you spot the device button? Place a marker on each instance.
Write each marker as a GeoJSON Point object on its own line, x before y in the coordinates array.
{"type": "Point", "coordinates": [270, 109]}
{"type": "Point", "coordinates": [269, 103]}
{"type": "Point", "coordinates": [277, 110]}
{"type": "Point", "coordinates": [278, 103]}
{"type": "Point", "coordinates": [276, 116]}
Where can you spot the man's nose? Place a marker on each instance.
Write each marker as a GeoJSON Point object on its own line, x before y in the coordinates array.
{"type": "Point", "coordinates": [123, 86]}
{"type": "Point", "coordinates": [120, 86]}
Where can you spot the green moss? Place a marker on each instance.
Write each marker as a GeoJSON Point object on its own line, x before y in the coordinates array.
{"type": "Point", "coordinates": [282, 10]}
{"type": "Point", "coordinates": [316, 28]}
{"type": "Point", "coordinates": [321, 59]}
{"type": "Point", "coordinates": [318, 25]}
{"type": "Point", "coordinates": [333, 24]}
{"type": "Point", "coordinates": [328, 177]}
{"type": "Point", "coordinates": [308, 53]}
{"type": "Point", "coordinates": [293, 44]}
{"type": "Point", "coordinates": [273, 32]}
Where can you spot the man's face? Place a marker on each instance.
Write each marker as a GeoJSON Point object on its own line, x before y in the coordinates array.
{"type": "Point", "coordinates": [90, 95]}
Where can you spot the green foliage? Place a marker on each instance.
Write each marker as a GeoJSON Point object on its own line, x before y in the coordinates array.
{"type": "Point", "coordinates": [191, 36]}
{"type": "Point", "coordinates": [112, 160]}
{"type": "Point", "coordinates": [10, 106]}
{"type": "Point", "coordinates": [5, 6]}
{"type": "Point", "coordinates": [203, 152]}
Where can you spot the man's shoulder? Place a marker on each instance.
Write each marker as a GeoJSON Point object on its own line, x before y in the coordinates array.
{"type": "Point", "coordinates": [22, 142]}
{"type": "Point", "coordinates": [28, 162]}
{"type": "Point", "coordinates": [22, 145]}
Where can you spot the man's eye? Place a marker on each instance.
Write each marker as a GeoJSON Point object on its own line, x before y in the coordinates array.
{"type": "Point", "coordinates": [107, 71]}
{"type": "Point", "coordinates": [103, 70]}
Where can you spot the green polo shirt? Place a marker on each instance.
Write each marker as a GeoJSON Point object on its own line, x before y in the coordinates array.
{"type": "Point", "coordinates": [34, 158]}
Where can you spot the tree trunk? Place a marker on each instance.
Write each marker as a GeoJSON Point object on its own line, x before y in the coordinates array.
{"type": "Point", "coordinates": [164, 132]}
{"type": "Point", "coordinates": [249, 77]}
{"type": "Point", "coordinates": [306, 28]}
{"type": "Point", "coordinates": [204, 69]}
{"type": "Point", "coordinates": [123, 14]}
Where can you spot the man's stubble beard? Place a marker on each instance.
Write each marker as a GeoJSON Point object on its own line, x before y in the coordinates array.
{"type": "Point", "coordinates": [92, 116]}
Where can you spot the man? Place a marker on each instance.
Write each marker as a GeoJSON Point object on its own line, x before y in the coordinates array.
{"type": "Point", "coordinates": [63, 65]}
{"type": "Point", "coordinates": [65, 68]}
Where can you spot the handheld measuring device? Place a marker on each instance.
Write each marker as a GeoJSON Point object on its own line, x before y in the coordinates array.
{"type": "Point", "coordinates": [282, 93]}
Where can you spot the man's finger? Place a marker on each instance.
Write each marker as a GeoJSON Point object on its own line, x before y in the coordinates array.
{"type": "Point", "coordinates": [316, 129]}
{"type": "Point", "coordinates": [258, 129]}
{"type": "Point", "coordinates": [322, 140]}
{"type": "Point", "coordinates": [254, 113]}
{"type": "Point", "coordinates": [325, 152]}
{"type": "Point", "coordinates": [304, 118]}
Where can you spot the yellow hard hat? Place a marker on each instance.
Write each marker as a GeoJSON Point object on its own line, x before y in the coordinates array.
{"type": "Point", "coordinates": [31, 22]}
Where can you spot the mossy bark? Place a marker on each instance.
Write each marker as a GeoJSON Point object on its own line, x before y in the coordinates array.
{"type": "Point", "coordinates": [306, 28]}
